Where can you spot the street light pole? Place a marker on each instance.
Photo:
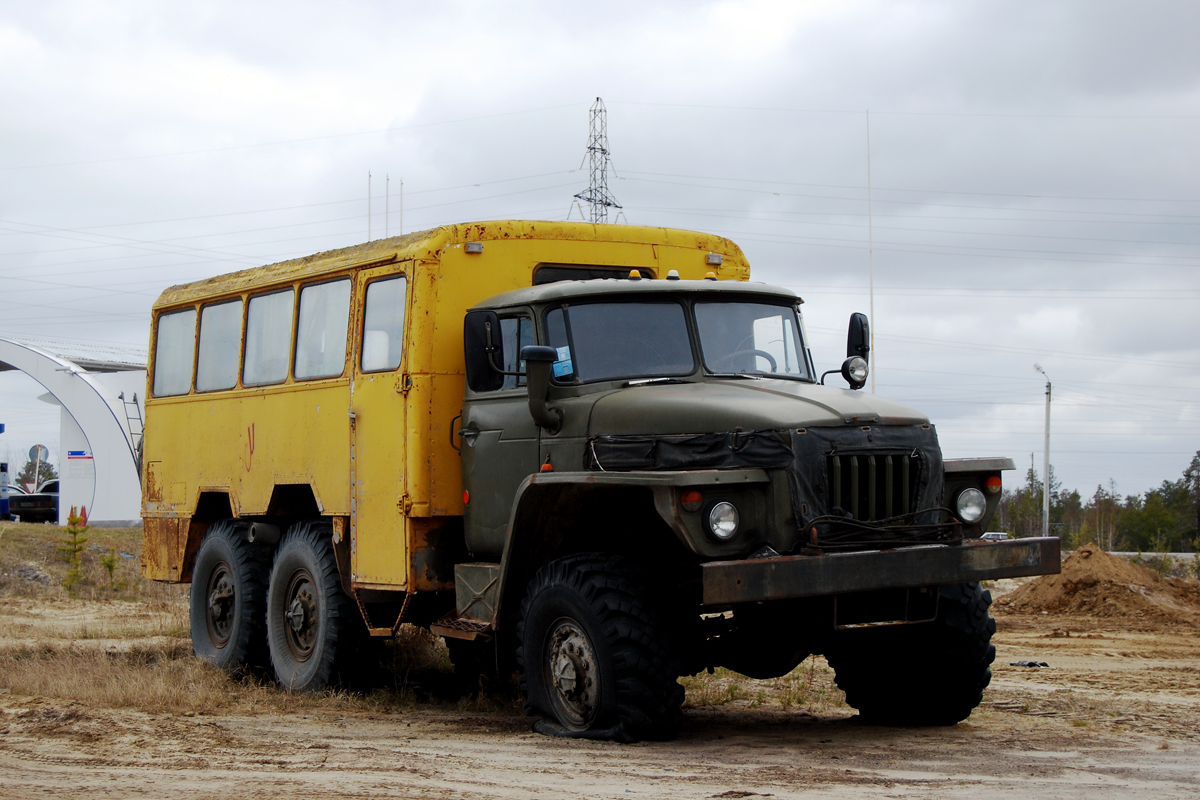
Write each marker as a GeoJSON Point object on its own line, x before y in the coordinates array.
{"type": "Point", "coordinates": [1046, 460]}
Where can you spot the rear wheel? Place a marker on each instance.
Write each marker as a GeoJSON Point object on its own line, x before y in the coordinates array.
{"type": "Point", "coordinates": [312, 626]}
{"type": "Point", "coordinates": [935, 672]}
{"type": "Point", "coordinates": [595, 657]}
{"type": "Point", "coordinates": [229, 600]}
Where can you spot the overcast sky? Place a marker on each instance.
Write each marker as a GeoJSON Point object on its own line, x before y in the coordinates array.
{"type": "Point", "coordinates": [1034, 172]}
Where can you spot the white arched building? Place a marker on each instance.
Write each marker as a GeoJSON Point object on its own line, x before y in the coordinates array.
{"type": "Point", "coordinates": [100, 442]}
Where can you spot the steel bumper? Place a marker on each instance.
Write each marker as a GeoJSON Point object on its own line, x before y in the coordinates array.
{"type": "Point", "coordinates": [751, 580]}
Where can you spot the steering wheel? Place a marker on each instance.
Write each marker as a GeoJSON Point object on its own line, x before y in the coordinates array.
{"type": "Point", "coordinates": [754, 351]}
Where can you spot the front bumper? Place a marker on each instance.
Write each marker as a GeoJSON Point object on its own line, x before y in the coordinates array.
{"type": "Point", "coordinates": [751, 580]}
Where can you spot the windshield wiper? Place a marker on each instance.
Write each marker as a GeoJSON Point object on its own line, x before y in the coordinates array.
{"type": "Point", "coordinates": [644, 381]}
{"type": "Point", "coordinates": [747, 375]}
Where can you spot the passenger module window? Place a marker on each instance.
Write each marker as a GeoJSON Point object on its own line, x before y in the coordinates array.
{"type": "Point", "coordinates": [321, 334]}
{"type": "Point", "coordinates": [268, 338]}
{"type": "Point", "coordinates": [173, 353]}
{"type": "Point", "coordinates": [220, 344]}
{"type": "Point", "coordinates": [383, 325]}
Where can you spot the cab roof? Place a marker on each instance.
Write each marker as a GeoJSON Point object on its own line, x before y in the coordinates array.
{"type": "Point", "coordinates": [560, 291]}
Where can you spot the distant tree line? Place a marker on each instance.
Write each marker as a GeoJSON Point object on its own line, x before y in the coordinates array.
{"type": "Point", "coordinates": [1166, 519]}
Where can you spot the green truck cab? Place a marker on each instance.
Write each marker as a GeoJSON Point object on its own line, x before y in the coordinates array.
{"type": "Point", "coordinates": [657, 480]}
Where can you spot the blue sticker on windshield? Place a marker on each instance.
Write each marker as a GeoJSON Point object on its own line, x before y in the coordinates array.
{"type": "Point", "coordinates": [562, 366]}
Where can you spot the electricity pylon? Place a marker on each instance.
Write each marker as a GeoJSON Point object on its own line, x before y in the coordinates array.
{"type": "Point", "coordinates": [597, 196]}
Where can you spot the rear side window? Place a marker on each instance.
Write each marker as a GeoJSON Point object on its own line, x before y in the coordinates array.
{"type": "Point", "coordinates": [220, 345]}
{"type": "Point", "coordinates": [383, 325]}
{"type": "Point", "coordinates": [322, 331]}
{"type": "Point", "coordinates": [174, 352]}
{"type": "Point", "coordinates": [268, 338]}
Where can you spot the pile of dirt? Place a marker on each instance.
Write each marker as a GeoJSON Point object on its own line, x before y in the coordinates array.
{"type": "Point", "coordinates": [1097, 584]}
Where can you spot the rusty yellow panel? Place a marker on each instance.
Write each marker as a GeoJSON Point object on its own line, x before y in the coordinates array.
{"type": "Point", "coordinates": [445, 472]}
{"type": "Point", "coordinates": [161, 548]}
{"type": "Point", "coordinates": [437, 544]}
{"type": "Point", "coordinates": [249, 441]}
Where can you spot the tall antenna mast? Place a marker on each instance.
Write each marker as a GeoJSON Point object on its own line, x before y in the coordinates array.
{"type": "Point", "coordinates": [871, 257]}
{"type": "Point", "coordinates": [597, 195]}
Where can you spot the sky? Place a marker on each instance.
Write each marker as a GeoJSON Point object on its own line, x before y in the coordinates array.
{"type": "Point", "coordinates": [1033, 171]}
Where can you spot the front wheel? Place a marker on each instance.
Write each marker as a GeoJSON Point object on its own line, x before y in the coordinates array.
{"type": "Point", "coordinates": [310, 621]}
{"type": "Point", "coordinates": [594, 656]}
{"type": "Point", "coordinates": [933, 673]}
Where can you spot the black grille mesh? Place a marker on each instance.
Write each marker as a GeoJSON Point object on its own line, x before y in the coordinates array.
{"type": "Point", "coordinates": [873, 487]}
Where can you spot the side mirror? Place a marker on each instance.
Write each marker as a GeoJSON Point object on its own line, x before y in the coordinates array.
{"type": "Point", "coordinates": [476, 327]}
{"type": "Point", "coordinates": [858, 337]}
{"type": "Point", "coordinates": [539, 360]}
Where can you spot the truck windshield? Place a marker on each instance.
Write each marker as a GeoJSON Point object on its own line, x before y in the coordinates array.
{"type": "Point", "coordinates": [606, 341]}
{"type": "Point", "coordinates": [751, 338]}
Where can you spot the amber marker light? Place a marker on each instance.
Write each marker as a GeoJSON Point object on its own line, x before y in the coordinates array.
{"type": "Point", "coordinates": [691, 500]}
{"type": "Point", "coordinates": [992, 484]}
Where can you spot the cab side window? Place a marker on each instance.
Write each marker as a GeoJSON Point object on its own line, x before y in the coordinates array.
{"type": "Point", "coordinates": [515, 332]}
{"type": "Point", "coordinates": [383, 325]}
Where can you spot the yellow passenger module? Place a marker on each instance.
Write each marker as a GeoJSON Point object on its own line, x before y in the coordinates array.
{"type": "Point", "coordinates": [328, 387]}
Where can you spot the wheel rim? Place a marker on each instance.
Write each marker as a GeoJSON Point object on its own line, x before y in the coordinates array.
{"type": "Point", "coordinates": [218, 611]}
{"type": "Point", "coordinates": [573, 674]}
{"type": "Point", "coordinates": [300, 618]}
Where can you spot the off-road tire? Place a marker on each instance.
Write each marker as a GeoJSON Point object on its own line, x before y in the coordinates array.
{"type": "Point", "coordinates": [229, 600]}
{"type": "Point", "coordinates": [596, 604]}
{"type": "Point", "coordinates": [924, 674]}
{"type": "Point", "coordinates": [313, 629]}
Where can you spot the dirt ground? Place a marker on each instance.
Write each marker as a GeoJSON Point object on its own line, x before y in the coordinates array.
{"type": "Point", "coordinates": [100, 697]}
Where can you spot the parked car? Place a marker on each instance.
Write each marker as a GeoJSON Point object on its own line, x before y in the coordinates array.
{"type": "Point", "coordinates": [40, 506]}
{"type": "Point", "coordinates": [995, 536]}
{"type": "Point", "coordinates": [12, 490]}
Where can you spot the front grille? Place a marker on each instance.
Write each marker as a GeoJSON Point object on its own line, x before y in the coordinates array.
{"type": "Point", "coordinates": [873, 487]}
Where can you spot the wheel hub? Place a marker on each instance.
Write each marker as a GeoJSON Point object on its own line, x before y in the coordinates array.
{"type": "Point", "coordinates": [221, 600]}
{"type": "Point", "coordinates": [574, 674]}
{"type": "Point", "coordinates": [301, 615]}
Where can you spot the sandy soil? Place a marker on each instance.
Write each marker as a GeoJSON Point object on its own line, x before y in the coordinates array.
{"type": "Point", "coordinates": [1116, 714]}
{"type": "Point", "coordinates": [100, 697]}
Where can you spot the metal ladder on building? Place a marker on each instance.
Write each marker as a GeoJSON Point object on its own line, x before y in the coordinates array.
{"type": "Point", "coordinates": [136, 427]}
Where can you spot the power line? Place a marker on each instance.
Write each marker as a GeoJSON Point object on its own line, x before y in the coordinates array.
{"type": "Point", "coordinates": [327, 137]}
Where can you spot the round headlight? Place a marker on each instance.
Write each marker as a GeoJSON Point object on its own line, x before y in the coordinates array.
{"type": "Point", "coordinates": [971, 505]}
{"type": "Point", "coordinates": [855, 371]}
{"type": "Point", "coordinates": [723, 520]}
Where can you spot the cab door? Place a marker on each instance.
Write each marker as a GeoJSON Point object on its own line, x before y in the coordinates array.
{"type": "Point", "coordinates": [499, 443]}
{"type": "Point", "coordinates": [378, 532]}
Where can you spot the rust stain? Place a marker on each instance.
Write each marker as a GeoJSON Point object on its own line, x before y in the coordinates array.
{"type": "Point", "coordinates": [249, 446]}
{"type": "Point", "coordinates": [153, 481]}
